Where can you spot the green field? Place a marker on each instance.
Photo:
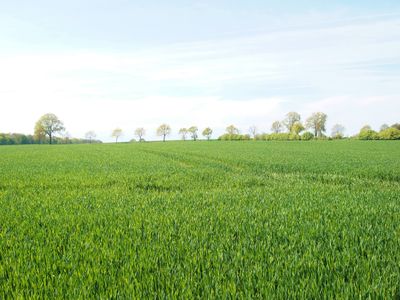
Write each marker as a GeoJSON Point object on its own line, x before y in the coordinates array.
{"type": "Point", "coordinates": [280, 220]}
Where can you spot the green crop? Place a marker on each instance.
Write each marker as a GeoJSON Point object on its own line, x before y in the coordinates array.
{"type": "Point", "coordinates": [283, 220]}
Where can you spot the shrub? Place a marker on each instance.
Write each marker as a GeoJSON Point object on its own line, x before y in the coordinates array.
{"type": "Point", "coordinates": [368, 134]}
{"type": "Point", "coordinates": [389, 134]}
{"type": "Point", "coordinates": [306, 136]}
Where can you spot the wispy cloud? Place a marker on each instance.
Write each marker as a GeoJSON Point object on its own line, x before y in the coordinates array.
{"type": "Point", "coordinates": [245, 79]}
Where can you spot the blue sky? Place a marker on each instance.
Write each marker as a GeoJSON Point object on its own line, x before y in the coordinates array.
{"type": "Point", "coordinates": [105, 64]}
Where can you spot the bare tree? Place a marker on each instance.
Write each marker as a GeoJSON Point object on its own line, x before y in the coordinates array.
{"type": "Point", "coordinates": [338, 131]}
{"type": "Point", "coordinates": [90, 135]}
{"type": "Point", "coordinates": [183, 132]}
{"type": "Point", "coordinates": [48, 125]}
{"type": "Point", "coordinates": [207, 132]}
{"type": "Point", "coordinates": [163, 131]}
{"type": "Point", "coordinates": [140, 132]}
{"type": "Point", "coordinates": [253, 131]}
{"type": "Point", "coordinates": [277, 127]}
{"type": "Point", "coordinates": [231, 129]}
{"type": "Point", "coordinates": [291, 119]}
{"type": "Point", "coordinates": [117, 132]}
{"type": "Point", "coordinates": [193, 132]}
{"type": "Point", "coordinates": [317, 122]}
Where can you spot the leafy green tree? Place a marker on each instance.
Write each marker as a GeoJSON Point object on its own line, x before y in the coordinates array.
{"type": "Point", "coordinates": [396, 125]}
{"type": "Point", "coordinates": [297, 128]}
{"type": "Point", "coordinates": [183, 132]}
{"type": "Point", "coordinates": [48, 125]}
{"type": "Point", "coordinates": [291, 118]}
{"type": "Point", "coordinates": [117, 133]}
{"type": "Point", "coordinates": [193, 132]}
{"type": "Point", "coordinates": [384, 127]}
{"type": "Point", "coordinates": [231, 129]}
{"type": "Point", "coordinates": [317, 122]}
{"type": "Point", "coordinates": [366, 133]}
{"type": "Point", "coordinates": [207, 132]}
{"type": "Point", "coordinates": [389, 133]}
{"type": "Point", "coordinates": [164, 130]}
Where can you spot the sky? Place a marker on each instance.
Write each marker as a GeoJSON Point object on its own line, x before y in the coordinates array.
{"type": "Point", "coordinates": [99, 65]}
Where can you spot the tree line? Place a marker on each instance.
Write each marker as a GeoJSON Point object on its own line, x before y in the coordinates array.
{"type": "Point", "coordinates": [50, 129]}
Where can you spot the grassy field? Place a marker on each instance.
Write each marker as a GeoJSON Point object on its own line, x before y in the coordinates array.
{"type": "Point", "coordinates": [201, 219]}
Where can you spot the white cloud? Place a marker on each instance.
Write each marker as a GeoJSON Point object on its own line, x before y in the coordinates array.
{"type": "Point", "coordinates": [187, 84]}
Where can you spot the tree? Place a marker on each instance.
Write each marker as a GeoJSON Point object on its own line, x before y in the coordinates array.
{"type": "Point", "coordinates": [207, 132]}
{"type": "Point", "coordinates": [384, 127]}
{"type": "Point", "coordinates": [140, 132]}
{"type": "Point", "coordinates": [290, 120]}
{"type": "Point", "coordinates": [317, 122]}
{"type": "Point", "coordinates": [338, 131]}
{"type": "Point", "coordinates": [390, 133]}
{"type": "Point", "coordinates": [297, 128]}
{"type": "Point", "coordinates": [193, 132]}
{"type": "Point", "coordinates": [277, 127]}
{"type": "Point", "coordinates": [365, 128]}
{"type": "Point", "coordinates": [231, 129]}
{"type": "Point", "coordinates": [90, 135]}
{"type": "Point", "coordinates": [368, 134]}
{"type": "Point", "coordinates": [117, 132]}
{"type": "Point", "coordinates": [396, 125]}
{"type": "Point", "coordinates": [163, 131]}
{"type": "Point", "coordinates": [253, 131]}
{"type": "Point", "coordinates": [183, 132]}
{"type": "Point", "coordinates": [48, 125]}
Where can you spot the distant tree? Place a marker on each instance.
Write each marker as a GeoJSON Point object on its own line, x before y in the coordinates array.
{"type": "Point", "coordinates": [384, 127]}
{"type": "Point", "coordinates": [366, 133]}
{"type": "Point", "coordinates": [207, 132]}
{"type": "Point", "coordinates": [90, 135]}
{"type": "Point", "coordinates": [163, 131]}
{"type": "Point", "coordinates": [253, 131]}
{"type": "Point", "coordinates": [117, 132]}
{"type": "Point", "coordinates": [139, 133]}
{"type": "Point", "coordinates": [183, 132]}
{"type": "Point", "coordinates": [297, 128]}
{"type": "Point", "coordinates": [390, 133]}
{"type": "Point", "coordinates": [66, 137]}
{"type": "Point", "coordinates": [48, 125]}
{"type": "Point", "coordinates": [365, 128]}
{"type": "Point", "coordinates": [231, 129]}
{"type": "Point", "coordinates": [193, 132]}
{"type": "Point", "coordinates": [337, 131]}
{"type": "Point", "coordinates": [396, 125]}
{"type": "Point", "coordinates": [317, 122]}
{"type": "Point", "coordinates": [291, 119]}
{"type": "Point", "coordinates": [277, 127]}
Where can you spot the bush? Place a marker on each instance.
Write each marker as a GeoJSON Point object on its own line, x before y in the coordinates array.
{"type": "Point", "coordinates": [234, 137]}
{"type": "Point", "coordinates": [368, 134]}
{"type": "Point", "coordinates": [306, 136]}
{"type": "Point", "coordinates": [389, 134]}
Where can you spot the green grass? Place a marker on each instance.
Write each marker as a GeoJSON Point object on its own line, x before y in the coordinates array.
{"type": "Point", "coordinates": [269, 220]}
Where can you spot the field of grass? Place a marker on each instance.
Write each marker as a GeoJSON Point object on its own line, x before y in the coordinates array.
{"type": "Point", "coordinates": [268, 220]}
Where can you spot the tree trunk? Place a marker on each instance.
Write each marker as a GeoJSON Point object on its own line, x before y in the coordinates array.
{"type": "Point", "coordinates": [164, 138]}
{"type": "Point", "coordinates": [50, 137]}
